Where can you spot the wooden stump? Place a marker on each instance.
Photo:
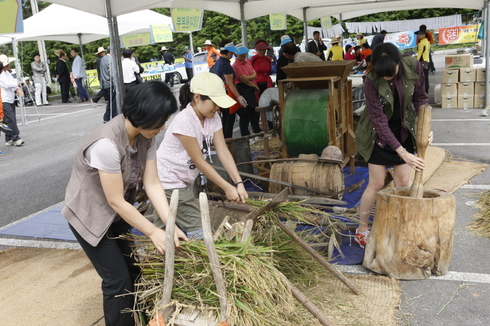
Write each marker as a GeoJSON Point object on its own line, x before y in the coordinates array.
{"type": "Point", "coordinates": [411, 237]}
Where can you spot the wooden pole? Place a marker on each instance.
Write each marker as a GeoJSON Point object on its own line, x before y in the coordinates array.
{"type": "Point", "coordinates": [319, 258]}
{"type": "Point", "coordinates": [168, 281]}
{"type": "Point", "coordinates": [310, 306]}
{"type": "Point", "coordinates": [213, 256]}
{"type": "Point", "coordinates": [422, 140]}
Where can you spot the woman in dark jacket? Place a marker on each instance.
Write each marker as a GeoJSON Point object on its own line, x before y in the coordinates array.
{"type": "Point", "coordinates": [385, 135]}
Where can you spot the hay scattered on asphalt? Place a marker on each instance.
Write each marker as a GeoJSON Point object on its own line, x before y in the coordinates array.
{"type": "Point", "coordinates": [481, 224]}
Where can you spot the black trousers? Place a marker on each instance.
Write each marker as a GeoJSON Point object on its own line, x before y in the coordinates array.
{"type": "Point", "coordinates": [426, 75]}
{"type": "Point", "coordinates": [169, 79]}
{"type": "Point", "coordinates": [113, 262]}
{"type": "Point", "coordinates": [111, 106]}
{"type": "Point", "coordinates": [10, 118]}
{"type": "Point", "coordinates": [189, 73]}
{"type": "Point", "coordinates": [227, 120]}
{"type": "Point", "coordinates": [98, 96]}
{"type": "Point", "coordinates": [65, 91]}
{"type": "Point", "coordinates": [247, 114]}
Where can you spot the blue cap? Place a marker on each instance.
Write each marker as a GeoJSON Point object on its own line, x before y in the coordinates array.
{"type": "Point", "coordinates": [241, 49]}
{"type": "Point", "coordinates": [230, 47]}
{"type": "Point", "coordinates": [285, 39]}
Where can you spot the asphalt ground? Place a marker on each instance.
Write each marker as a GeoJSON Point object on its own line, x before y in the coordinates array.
{"type": "Point", "coordinates": [33, 178]}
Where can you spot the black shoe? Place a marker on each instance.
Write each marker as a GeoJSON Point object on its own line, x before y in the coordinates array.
{"type": "Point", "coordinates": [66, 102]}
{"type": "Point", "coordinates": [47, 104]}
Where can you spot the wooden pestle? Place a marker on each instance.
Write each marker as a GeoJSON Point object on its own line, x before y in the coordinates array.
{"type": "Point", "coordinates": [422, 140]}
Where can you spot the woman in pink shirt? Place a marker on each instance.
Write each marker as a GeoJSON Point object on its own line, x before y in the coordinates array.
{"type": "Point", "coordinates": [184, 151]}
{"type": "Point", "coordinates": [244, 83]}
{"type": "Point", "coordinates": [349, 53]}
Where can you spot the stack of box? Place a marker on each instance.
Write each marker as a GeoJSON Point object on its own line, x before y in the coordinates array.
{"type": "Point", "coordinates": [480, 88]}
{"type": "Point", "coordinates": [449, 89]}
{"type": "Point", "coordinates": [458, 82]}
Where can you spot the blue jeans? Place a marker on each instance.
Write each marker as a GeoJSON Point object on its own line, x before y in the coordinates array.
{"type": "Point", "coordinates": [81, 90]}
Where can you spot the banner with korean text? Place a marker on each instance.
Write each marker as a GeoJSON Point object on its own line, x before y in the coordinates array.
{"type": "Point", "coordinates": [459, 34]}
{"type": "Point", "coordinates": [187, 20]}
{"type": "Point", "coordinates": [161, 34]}
{"type": "Point", "coordinates": [402, 40]}
{"type": "Point", "coordinates": [278, 22]}
{"type": "Point", "coordinates": [11, 20]}
{"type": "Point", "coordinates": [138, 39]}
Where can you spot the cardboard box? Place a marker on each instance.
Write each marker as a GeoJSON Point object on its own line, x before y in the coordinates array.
{"type": "Point", "coordinates": [456, 61]}
{"type": "Point", "coordinates": [449, 90]}
{"type": "Point", "coordinates": [450, 76]}
{"type": "Point", "coordinates": [466, 88]}
{"type": "Point", "coordinates": [480, 89]}
{"type": "Point", "coordinates": [480, 74]}
{"type": "Point", "coordinates": [479, 102]}
{"type": "Point", "coordinates": [467, 75]}
{"type": "Point", "coordinates": [451, 103]}
{"type": "Point", "coordinates": [466, 101]}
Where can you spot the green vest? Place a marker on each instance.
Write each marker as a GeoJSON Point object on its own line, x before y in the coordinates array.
{"type": "Point", "coordinates": [365, 133]}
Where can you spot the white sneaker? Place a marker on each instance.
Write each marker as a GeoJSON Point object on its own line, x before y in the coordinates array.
{"type": "Point", "coordinates": [18, 142]}
{"type": "Point", "coordinates": [10, 143]}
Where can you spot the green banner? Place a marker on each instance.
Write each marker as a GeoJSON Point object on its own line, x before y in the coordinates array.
{"type": "Point", "coordinates": [278, 22]}
{"type": "Point", "coordinates": [161, 34]}
{"type": "Point", "coordinates": [187, 20]}
{"type": "Point", "coordinates": [11, 17]}
{"type": "Point", "coordinates": [138, 39]}
{"type": "Point", "coordinates": [326, 22]}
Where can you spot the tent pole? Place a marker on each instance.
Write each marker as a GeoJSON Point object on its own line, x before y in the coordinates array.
{"type": "Point", "coordinates": [116, 55]}
{"type": "Point", "coordinates": [305, 29]}
{"type": "Point", "coordinates": [81, 46]}
{"type": "Point", "coordinates": [40, 44]}
{"type": "Point", "coordinates": [487, 61]}
{"type": "Point", "coordinates": [191, 46]}
{"type": "Point", "coordinates": [244, 23]}
{"type": "Point", "coordinates": [18, 72]}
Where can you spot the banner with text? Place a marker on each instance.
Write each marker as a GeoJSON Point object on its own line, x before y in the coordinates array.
{"type": "Point", "coordinates": [11, 20]}
{"type": "Point", "coordinates": [278, 22]}
{"type": "Point", "coordinates": [161, 34]}
{"type": "Point", "coordinates": [138, 39]}
{"type": "Point", "coordinates": [187, 20]}
{"type": "Point", "coordinates": [458, 34]}
{"type": "Point", "coordinates": [326, 22]}
{"type": "Point", "coordinates": [402, 40]}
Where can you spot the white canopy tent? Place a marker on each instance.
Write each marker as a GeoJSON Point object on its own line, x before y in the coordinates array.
{"type": "Point", "coordinates": [79, 27]}
{"type": "Point", "coordinates": [305, 10]}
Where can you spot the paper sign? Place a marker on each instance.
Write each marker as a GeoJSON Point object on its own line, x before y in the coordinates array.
{"type": "Point", "coordinates": [187, 20]}
{"type": "Point", "coordinates": [11, 17]}
{"type": "Point", "coordinates": [326, 22]}
{"type": "Point", "coordinates": [138, 39]}
{"type": "Point", "coordinates": [161, 34]}
{"type": "Point", "coordinates": [458, 34]}
{"type": "Point", "coordinates": [278, 22]}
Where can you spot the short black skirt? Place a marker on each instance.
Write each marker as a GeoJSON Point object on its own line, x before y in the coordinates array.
{"type": "Point", "coordinates": [389, 157]}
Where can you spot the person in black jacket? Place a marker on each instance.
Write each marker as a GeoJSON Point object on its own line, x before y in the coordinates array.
{"type": "Point", "coordinates": [316, 46]}
{"type": "Point", "coordinates": [169, 59]}
{"type": "Point", "coordinates": [63, 77]}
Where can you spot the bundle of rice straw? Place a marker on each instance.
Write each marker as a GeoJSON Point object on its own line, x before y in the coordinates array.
{"type": "Point", "coordinates": [258, 293]}
{"type": "Point", "coordinates": [481, 224]}
{"type": "Point", "coordinates": [254, 273]}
